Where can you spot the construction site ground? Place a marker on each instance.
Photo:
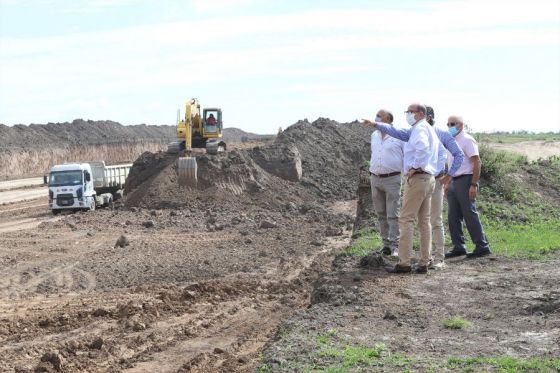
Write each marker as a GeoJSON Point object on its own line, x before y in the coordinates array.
{"type": "Point", "coordinates": [246, 273]}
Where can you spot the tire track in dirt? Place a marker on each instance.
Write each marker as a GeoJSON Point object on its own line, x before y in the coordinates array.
{"type": "Point", "coordinates": [213, 325]}
{"type": "Point", "coordinates": [32, 280]}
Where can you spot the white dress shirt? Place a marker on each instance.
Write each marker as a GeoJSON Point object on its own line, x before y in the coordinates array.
{"type": "Point", "coordinates": [386, 154]}
{"type": "Point", "coordinates": [421, 150]}
{"type": "Point", "coordinates": [469, 146]}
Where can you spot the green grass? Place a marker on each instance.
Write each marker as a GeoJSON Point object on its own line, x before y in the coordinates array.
{"type": "Point", "coordinates": [456, 322]}
{"type": "Point", "coordinates": [367, 242]}
{"type": "Point", "coordinates": [512, 138]}
{"type": "Point", "coordinates": [505, 364]}
{"type": "Point", "coordinates": [341, 354]}
{"type": "Point", "coordinates": [526, 241]}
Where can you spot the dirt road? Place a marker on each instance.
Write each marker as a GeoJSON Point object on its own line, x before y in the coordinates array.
{"type": "Point", "coordinates": [17, 195]}
{"type": "Point", "coordinates": [20, 183]}
{"type": "Point", "coordinates": [533, 150]}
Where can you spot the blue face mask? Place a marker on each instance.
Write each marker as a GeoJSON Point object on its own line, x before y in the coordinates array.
{"type": "Point", "coordinates": [453, 131]}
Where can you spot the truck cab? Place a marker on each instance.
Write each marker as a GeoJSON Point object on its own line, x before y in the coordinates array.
{"type": "Point", "coordinates": [71, 187]}
{"type": "Point", "coordinates": [85, 186]}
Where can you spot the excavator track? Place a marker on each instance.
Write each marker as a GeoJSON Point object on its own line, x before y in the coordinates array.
{"type": "Point", "coordinates": [187, 171]}
{"type": "Point", "coordinates": [175, 147]}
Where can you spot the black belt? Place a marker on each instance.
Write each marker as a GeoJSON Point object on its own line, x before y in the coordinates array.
{"type": "Point", "coordinates": [460, 176]}
{"type": "Point", "coordinates": [386, 175]}
{"type": "Point", "coordinates": [420, 171]}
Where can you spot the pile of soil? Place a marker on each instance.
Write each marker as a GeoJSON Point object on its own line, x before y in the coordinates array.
{"type": "Point", "coordinates": [327, 155]}
{"type": "Point", "coordinates": [331, 153]}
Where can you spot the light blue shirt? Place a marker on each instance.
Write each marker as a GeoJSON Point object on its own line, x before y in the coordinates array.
{"type": "Point", "coordinates": [457, 155]}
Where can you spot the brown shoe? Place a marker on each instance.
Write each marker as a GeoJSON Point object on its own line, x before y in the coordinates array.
{"type": "Point", "coordinates": [421, 269]}
{"type": "Point", "coordinates": [399, 269]}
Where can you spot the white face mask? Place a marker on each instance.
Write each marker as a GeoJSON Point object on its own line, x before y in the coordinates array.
{"type": "Point", "coordinates": [377, 118]}
{"type": "Point", "coordinates": [410, 118]}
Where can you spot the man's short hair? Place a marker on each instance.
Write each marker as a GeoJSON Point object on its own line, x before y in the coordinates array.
{"type": "Point", "coordinates": [430, 112]}
{"type": "Point", "coordinates": [421, 108]}
{"type": "Point", "coordinates": [390, 116]}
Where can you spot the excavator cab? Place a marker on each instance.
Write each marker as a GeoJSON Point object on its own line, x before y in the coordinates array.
{"type": "Point", "coordinates": [212, 123]}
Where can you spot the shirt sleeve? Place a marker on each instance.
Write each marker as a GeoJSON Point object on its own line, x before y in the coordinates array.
{"type": "Point", "coordinates": [401, 134]}
{"type": "Point", "coordinates": [471, 148]}
{"type": "Point", "coordinates": [451, 145]}
{"type": "Point", "coordinates": [442, 157]}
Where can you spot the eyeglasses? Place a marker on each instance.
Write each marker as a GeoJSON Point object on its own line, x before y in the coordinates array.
{"type": "Point", "coordinates": [453, 124]}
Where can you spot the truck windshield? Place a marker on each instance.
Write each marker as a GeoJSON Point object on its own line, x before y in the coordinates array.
{"type": "Point", "coordinates": [62, 178]}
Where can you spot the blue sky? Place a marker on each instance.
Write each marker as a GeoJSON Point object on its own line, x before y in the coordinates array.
{"type": "Point", "coordinates": [268, 63]}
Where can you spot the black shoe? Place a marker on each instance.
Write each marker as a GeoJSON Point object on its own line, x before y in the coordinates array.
{"type": "Point", "coordinates": [386, 251]}
{"type": "Point", "coordinates": [421, 269]}
{"type": "Point", "coordinates": [399, 269]}
{"type": "Point", "coordinates": [478, 254]}
{"type": "Point", "coordinates": [453, 254]}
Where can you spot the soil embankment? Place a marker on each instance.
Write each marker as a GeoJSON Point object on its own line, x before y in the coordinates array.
{"type": "Point", "coordinates": [31, 150]}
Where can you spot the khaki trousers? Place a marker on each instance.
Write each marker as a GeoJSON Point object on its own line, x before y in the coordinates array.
{"type": "Point", "coordinates": [416, 204]}
{"type": "Point", "coordinates": [436, 220]}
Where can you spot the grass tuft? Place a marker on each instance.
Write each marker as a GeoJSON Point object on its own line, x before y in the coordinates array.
{"type": "Point", "coordinates": [456, 322]}
{"type": "Point", "coordinates": [505, 364]}
{"type": "Point", "coordinates": [369, 241]}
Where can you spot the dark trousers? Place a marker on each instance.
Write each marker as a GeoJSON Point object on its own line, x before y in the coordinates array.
{"type": "Point", "coordinates": [462, 208]}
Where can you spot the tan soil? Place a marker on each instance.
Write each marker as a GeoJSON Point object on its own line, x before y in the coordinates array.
{"type": "Point", "coordinates": [533, 150]}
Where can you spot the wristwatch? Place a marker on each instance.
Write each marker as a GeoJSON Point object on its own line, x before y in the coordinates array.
{"type": "Point", "coordinates": [474, 184]}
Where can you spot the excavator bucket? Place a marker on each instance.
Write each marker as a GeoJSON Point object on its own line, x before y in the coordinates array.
{"type": "Point", "coordinates": [187, 172]}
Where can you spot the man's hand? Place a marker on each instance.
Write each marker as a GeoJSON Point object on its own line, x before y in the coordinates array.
{"type": "Point", "coordinates": [368, 123]}
{"type": "Point", "coordinates": [445, 180]}
{"type": "Point", "coordinates": [473, 191]}
{"type": "Point", "coordinates": [410, 173]}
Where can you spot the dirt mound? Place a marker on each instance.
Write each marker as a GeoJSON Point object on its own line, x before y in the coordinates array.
{"type": "Point", "coordinates": [236, 135]}
{"type": "Point", "coordinates": [89, 132]}
{"type": "Point", "coordinates": [331, 154]}
{"type": "Point", "coordinates": [80, 132]}
{"type": "Point", "coordinates": [231, 181]}
{"type": "Point", "coordinates": [324, 155]}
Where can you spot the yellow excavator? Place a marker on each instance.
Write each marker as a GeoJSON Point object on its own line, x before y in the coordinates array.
{"type": "Point", "coordinates": [196, 131]}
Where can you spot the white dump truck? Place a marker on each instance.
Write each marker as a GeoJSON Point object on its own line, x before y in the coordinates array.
{"type": "Point", "coordinates": [85, 186]}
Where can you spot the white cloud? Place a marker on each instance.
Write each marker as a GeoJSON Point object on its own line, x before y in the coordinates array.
{"type": "Point", "coordinates": [212, 5]}
{"type": "Point", "coordinates": [89, 71]}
